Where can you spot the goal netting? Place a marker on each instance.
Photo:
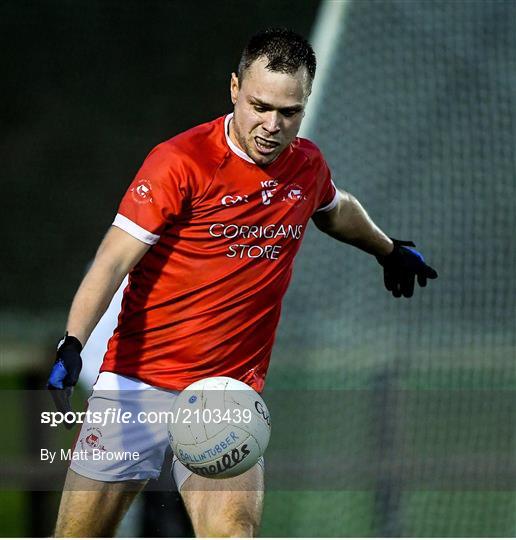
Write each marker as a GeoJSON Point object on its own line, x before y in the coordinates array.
{"type": "Point", "coordinates": [395, 417]}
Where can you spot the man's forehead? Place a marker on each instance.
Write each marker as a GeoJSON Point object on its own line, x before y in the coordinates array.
{"type": "Point", "coordinates": [259, 69]}
{"type": "Point", "coordinates": [261, 82]}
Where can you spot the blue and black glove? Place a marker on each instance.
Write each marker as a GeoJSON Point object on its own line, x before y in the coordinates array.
{"type": "Point", "coordinates": [402, 266]}
{"type": "Point", "coordinates": [65, 373]}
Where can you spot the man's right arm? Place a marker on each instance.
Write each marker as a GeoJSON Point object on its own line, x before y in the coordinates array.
{"type": "Point", "coordinates": [118, 253]}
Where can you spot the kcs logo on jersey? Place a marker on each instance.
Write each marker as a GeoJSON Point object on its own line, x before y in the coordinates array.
{"type": "Point", "coordinates": [269, 188]}
{"type": "Point", "coordinates": [142, 192]}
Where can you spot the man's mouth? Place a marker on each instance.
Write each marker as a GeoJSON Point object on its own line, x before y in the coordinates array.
{"type": "Point", "coordinates": [265, 146]}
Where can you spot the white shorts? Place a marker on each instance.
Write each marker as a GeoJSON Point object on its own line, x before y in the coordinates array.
{"type": "Point", "coordinates": [123, 436]}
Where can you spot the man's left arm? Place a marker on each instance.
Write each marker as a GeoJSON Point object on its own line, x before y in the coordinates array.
{"type": "Point", "coordinates": [349, 222]}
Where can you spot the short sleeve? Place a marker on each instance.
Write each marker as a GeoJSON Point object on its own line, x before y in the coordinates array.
{"type": "Point", "coordinates": [329, 194]}
{"type": "Point", "coordinates": [156, 195]}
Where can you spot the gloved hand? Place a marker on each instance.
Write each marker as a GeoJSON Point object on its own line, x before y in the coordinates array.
{"type": "Point", "coordinates": [401, 267]}
{"type": "Point", "coordinates": [65, 373]}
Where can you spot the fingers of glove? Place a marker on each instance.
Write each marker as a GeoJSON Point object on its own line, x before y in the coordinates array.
{"type": "Point", "coordinates": [388, 280]}
{"type": "Point", "coordinates": [396, 289]}
{"type": "Point", "coordinates": [421, 279]}
{"type": "Point", "coordinates": [61, 398]}
{"type": "Point", "coordinates": [407, 285]}
{"type": "Point", "coordinates": [427, 273]}
{"type": "Point", "coordinates": [416, 262]}
{"type": "Point", "coordinates": [431, 273]}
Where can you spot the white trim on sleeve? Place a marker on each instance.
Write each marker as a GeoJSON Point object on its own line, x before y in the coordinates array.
{"type": "Point", "coordinates": [333, 203]}
{"type": "Point", "coordinates": [135, 230]}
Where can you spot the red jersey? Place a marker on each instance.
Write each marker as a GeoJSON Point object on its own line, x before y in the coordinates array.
{"type": "Point", "coordinates": [205, 299]}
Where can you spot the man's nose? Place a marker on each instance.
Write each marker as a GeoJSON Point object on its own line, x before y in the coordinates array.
{"type": "Point", "coordinates": [271, 122]}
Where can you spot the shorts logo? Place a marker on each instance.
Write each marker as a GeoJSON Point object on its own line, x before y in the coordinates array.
{"type": "Point", "coordinates": [229, 200]}
{"type": "Point", "coordinates": [294, 194]}
{"type": "Point", "coordinates": [142, 192]}
{"type": "Point", "coordinates": [93, 440]}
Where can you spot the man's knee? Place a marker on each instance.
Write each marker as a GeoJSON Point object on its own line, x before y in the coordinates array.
{"type": "Point", "coordinates": [226, 515]}
{"type": "Point", "coordinates": [225, 508]}
{"type": "Point", "coordinates": [241, 524]}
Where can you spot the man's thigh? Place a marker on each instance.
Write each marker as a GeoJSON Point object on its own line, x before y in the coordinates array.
{"type": "Point", "coordinates": [91, 508]}
{"type": "Point", "coordinates": [230, 507]}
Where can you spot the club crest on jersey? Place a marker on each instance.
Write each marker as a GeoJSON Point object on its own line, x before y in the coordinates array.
{"type": "Point", "coordinates": [293, 194]}
{"type": "Point", "coordinates": [268, 190]}
{"type": "Point", "coordinates": [229, 200]}
{"type": "Point", "coordinates": [142, 191]}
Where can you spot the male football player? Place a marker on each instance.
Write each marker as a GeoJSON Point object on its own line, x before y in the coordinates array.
{"type": "Point", "coordinates": [208, 232]}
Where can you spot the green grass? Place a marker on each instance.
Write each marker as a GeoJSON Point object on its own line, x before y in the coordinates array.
{"type": "Point", "coordinates": [422, 514]}
{"type": "Point", "coordinates": [13, 514]}
{"type": "Point", "coordinates": [318, 514]}
{"type": "Point", "coordinates": [459, 514]}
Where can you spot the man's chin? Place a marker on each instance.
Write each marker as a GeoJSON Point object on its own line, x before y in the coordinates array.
{"type": "Point", "coordinates": [263, 159]}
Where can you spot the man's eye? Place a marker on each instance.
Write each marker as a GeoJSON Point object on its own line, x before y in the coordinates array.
{"type": "Point", "coordinates": [259, 108]}
{"type": "Point", "coordinates": [288, 113]}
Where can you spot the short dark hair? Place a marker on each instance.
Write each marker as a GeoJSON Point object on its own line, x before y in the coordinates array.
{"type": "Point", "coordinates": [285, 50]}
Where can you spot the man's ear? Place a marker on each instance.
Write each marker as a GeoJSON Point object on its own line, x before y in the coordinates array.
{"type": "Point", "coordinates": [234, 87]}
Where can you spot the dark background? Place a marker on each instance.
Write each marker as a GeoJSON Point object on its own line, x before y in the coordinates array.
{"type": "Point", "coordinates": [88, 89]}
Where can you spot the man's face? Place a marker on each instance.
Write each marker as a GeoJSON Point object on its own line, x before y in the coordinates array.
{"type": "Point", "coordinates": [269, 107]}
